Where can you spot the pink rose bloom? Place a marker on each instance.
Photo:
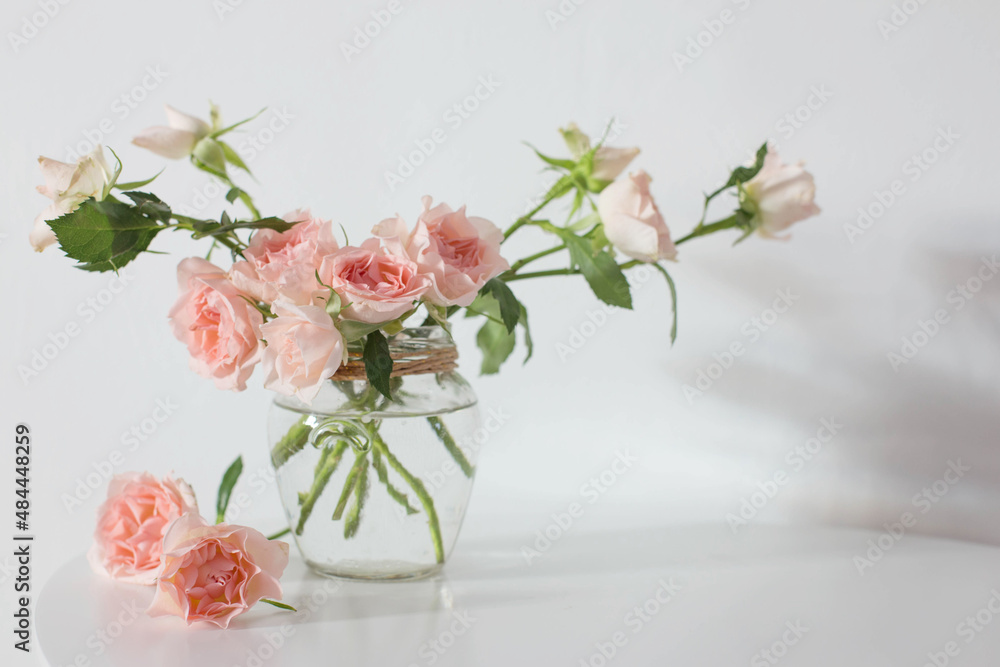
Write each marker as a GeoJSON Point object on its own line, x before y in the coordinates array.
{"type": "Point", "coordinates": [284, 264]}
{"type": "Point", "coordinates": [781, 194]}
{"type": "Point", "coordinates": [221, 330]}
{"type": "Point", "coordinates": [379, 286]}
{"type": "Point", "coordinates": [632, 222]}
{"type": "Point", "coordinates": [303, 350]}
{"type": "Point", "coordinates": [215, 573]}
{"type": "Point", "coordinates": [459, 254]}
{"type": "Point", "coordinates": [68, 186]}
{"type": "Point", "coordinates": [131, 523]}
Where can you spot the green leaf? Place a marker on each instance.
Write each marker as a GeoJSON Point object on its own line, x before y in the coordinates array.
{"type": "Point", "coordinates": [150, 205]}
{"type": "Point", "coordinates": [277, 224]}
{"type": "Point", "coordinates": [587, 222]}
{"type": "Point", "coordinates": [353, 331]}
{"type": "Point", "coordinates": [673, 300]}
{"type": "Point", "coordinates": [226, 130]}
{"type": "Point", "coordinates": [555, 162]}
{"type": "Point", "coordinates": [134, 185]}
{"type": "Point", "coordinates": [599, 268]}
{"type": "Point", "coordinates": [232, 195]}
{"type": "Point", "coordinates": [742, 174]}
{"type": "Point", "coordinates": [528, 342]}
{"type": "Point", "coordinates": [104, 235]}
{"type": "Point", "coordinates": [378, 363]}
{"type": "Point", "coordinates": [510, 307]}
{"type": "Point", "coordinates": [233, 158]}
{"type": "Point", "coordinates": [279, 605]}
{"type": "Point", "coordinates": [496, 344]}
{"type": "Point", "coordinates": [226, 488]}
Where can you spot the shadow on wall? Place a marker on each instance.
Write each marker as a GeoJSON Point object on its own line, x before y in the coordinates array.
{"type": "Point", "coordinates": [917, 387]}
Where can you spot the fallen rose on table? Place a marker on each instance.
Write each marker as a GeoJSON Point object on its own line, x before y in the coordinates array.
{"type": "Point", "coordinates": [150, 532]}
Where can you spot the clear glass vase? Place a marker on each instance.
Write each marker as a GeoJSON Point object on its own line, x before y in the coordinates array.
{"type": "Point", "coordinates": [376, 488]}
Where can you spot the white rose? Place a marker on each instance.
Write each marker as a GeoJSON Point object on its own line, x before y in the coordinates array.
{"type": "Point", "coordinates": [68, 186]}
{"type": "Point", "coordinates": [632, 222]}
{"type": "Point", "coordinates": [176, 140]}
{"type": "Point", "coordinates": [779, 195]}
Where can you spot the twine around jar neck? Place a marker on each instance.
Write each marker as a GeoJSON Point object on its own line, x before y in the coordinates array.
{"type": "Point", "coordinates": [405, 362]}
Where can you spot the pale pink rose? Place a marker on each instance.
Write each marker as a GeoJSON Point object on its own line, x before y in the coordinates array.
{"type": "Point", "coordinates": [632, 222]}
{"type": "Point", "coordinates": [220, 328]}
{"type": "Point", "coordinates": [303, 350]}
{"type": "Point", "coordinates": [68, 186]}
{"type": "Point", "coordinates": [459, 254]}
{"type": "Point", "coordinates": [284, 264]}
{"type": "Point", "coordinates": [177, 139]}
{"type": "Point", "coordinates": [215, 573]}
{"type": "Point", "coordinates": [131, 523]}
{"type": "Point", "coordinates": [609, 162]}
{"type": "Point", "coordinates": [379, 285]}
{"type": "Point", "coordinates": [781, 195]}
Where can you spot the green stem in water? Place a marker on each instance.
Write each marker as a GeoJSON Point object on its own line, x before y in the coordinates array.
{"type": "Point", "coordinates": [292, 443]}
{"type": "Point", "coordinates": [441, 431]}
{"type": "Point", "coordinates": [360, 463]}
{"type": "Point", "coordinates": [418, 487]}
{"type": "Point", "coordinates": [329, 460]}
{"type": "Point", "coordinates": [360, 494]}
{"type": "Point", "coordinates": [383, 476]}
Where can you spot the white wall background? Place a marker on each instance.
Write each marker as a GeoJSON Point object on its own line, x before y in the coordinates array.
{"type": "Point", "coordinates": [887, 98]}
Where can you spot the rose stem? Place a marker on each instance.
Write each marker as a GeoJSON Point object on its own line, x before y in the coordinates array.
{"type": "Point", "coordinates": [291, 443]}
{"type": "Point", "coordinates": [441, 431]}
{"type": "Point", "coordinates": [383, 476]}
{"type": "Point", "coordinates": [330, 459]}
{"type": "Point", "coordinates": [360, 493]}
{"type": "Point", "coordinates": [418, 488]}
{"type": "Point", "coordinates": [360, 460]}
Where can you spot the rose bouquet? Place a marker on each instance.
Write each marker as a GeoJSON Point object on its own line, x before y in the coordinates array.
{"type": "Point", "coordinates": [325, 318]}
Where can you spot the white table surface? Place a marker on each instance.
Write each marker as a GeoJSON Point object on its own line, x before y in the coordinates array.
{"type": "Point", "coordinates": [734, 598]}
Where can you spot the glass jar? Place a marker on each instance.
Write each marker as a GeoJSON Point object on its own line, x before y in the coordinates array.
{"type": "Point", "coordinates": [375, 488]}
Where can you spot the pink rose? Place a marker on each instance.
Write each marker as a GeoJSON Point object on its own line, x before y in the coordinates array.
{"type": "Point", "coordinates": [379, 286]}
{"type": "Point", "coordinates": [632, 222]}
{"type": "Point", "coordinates": [220, 328]}
{"type": "Point", "coordinates": [303, 350]}
{"type": "Point", "coordinates": [177, 139]}
{"type": "Point", "coordinates": [215, 573]}
{"type": "Point", "coordinates": [459, 254]}
{"type": "Point", "coordinates": [284, 264]}
{"type": "Point", "coordinates": [68, 186]}
{"type": "Point", "coordinates": [780, 194]}
{"type": "Point", "coordinates": [131, 524]}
